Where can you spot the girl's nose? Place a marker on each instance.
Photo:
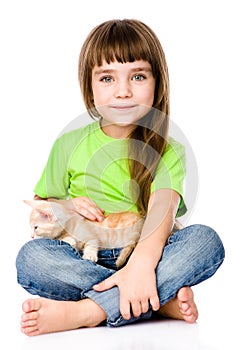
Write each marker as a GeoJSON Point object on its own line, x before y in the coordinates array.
{"type": "Point", "coordinates": [123, 90]}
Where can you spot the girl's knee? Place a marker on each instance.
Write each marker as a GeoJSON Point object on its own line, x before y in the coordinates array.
{"type": "Point", "coordinates": [33, 256]}
{"type": "Point", "coordinates": [25, 254]}
{"type": "Point", "coordinates": [38, 272]}
{"type": "Point", "coordinates": [209, 238]}
{"type": "Point", "coordinates": [30, 250]}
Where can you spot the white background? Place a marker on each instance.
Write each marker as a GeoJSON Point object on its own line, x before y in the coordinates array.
{"type": "Point", "coordinates": [39, 91]}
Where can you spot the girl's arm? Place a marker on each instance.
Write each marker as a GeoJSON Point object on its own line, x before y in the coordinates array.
{"type": "Point", "coordinates": [82, 205]}
{"type": "Point", "coordinates": [160, 219]}
{"type": "Point", "coordinates": [137, 280]}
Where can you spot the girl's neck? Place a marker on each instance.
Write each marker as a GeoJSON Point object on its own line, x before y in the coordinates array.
{"type": "Point", "coordinates": [116, 131]}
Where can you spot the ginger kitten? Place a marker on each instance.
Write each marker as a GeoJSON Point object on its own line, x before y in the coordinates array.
{"type": "Point", "coordinates": [117, 230]}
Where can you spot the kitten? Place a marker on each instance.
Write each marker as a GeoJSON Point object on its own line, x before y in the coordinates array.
{"type": "Point", "coordinates": [53, 220]}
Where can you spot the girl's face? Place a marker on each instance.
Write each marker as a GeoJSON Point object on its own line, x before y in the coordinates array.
{"type": "Point", "coordinates": [123, 93]}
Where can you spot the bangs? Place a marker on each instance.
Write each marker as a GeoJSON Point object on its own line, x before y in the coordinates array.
{"type": "Point", "coordinates": [126, 40]}
{"type": "Point", "coordinates": [120, 41]}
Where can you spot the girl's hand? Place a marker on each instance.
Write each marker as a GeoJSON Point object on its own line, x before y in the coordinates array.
{"type": "Point", "coordinates": [137, 285]}
{"type": "Point", "coordinates": [87, 208]}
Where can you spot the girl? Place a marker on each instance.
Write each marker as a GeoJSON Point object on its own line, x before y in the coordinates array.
{"type": "Point", "coordinates": [122, 161]}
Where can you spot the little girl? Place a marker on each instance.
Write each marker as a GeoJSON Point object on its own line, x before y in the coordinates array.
{"type": "Point", "coordinates": [124, 160]}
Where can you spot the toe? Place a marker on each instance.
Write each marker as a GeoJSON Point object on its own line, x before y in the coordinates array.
{"type": "Point", "coordinates": [185, 294]}
{"type": "Point", "coordinates": [31, 305]}
{"type": "Point", "coordinates": [28, 324]}
{"type": "Point", "coordinates": [190, 319]}
{"type": "Point", "coordinates": [32, 330]}
{"type": "Point", "coordinates": [29, 316]}
{"type": "Point", "coordinates": [184, 307]}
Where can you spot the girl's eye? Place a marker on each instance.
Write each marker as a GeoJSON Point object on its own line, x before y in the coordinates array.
{"type": "Point", "coordinates": [106, 79]}
{"type": "Point", "coordinates": [138, 77]}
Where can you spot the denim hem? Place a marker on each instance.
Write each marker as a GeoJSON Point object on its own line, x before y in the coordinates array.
{"type": "Point", "coordinates": [120, 321]}
{"type": "Point", "coordinates": [109, 302]}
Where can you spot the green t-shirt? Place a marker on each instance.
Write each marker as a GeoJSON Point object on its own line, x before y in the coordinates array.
{"type": "Point", "coordinates": [87, 162]}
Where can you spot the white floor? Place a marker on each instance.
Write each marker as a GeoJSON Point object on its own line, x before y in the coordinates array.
{"type": "Point", "coordinates": [218, 327]}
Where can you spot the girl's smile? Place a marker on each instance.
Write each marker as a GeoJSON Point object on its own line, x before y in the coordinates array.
{"type": "Point", "coordinates": [123, 106]}
{"type": "Point", "coordinates": [123, 93]}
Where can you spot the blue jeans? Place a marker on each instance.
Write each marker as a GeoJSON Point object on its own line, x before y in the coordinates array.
{"type": "Point", "coordinates": [55, 270]}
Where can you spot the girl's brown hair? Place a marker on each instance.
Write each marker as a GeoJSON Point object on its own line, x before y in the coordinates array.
{"type": "Point", "coordinates": [128, 41]}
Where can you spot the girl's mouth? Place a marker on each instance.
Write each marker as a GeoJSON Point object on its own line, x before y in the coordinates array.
{"type": "Point", "coordinates": [122, 107]}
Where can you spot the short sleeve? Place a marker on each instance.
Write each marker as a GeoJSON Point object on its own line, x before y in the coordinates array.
{"type": "Point", "coordinates": [171, 172]}
{"type": "Point", "coordinates": [54, 180]}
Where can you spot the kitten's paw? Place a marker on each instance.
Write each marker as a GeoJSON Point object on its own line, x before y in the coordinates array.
{"type": "Point", "coordinates": [70, 241]}
{"type": "Point", "coordinates": [90, 256]}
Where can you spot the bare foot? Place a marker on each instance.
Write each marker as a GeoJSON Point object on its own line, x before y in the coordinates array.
{"type": "Point", "coordinates": [182, 307]}
{"type": "Point", "coordinates": [43, 315]}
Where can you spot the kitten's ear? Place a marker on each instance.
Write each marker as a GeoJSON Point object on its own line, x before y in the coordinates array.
{"type": "Point", "coordinates": [44, 210]}
{"type": "Point", "coordinates": [46, 214]}
{"type": "Point", "coordinates": [32, 203]}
